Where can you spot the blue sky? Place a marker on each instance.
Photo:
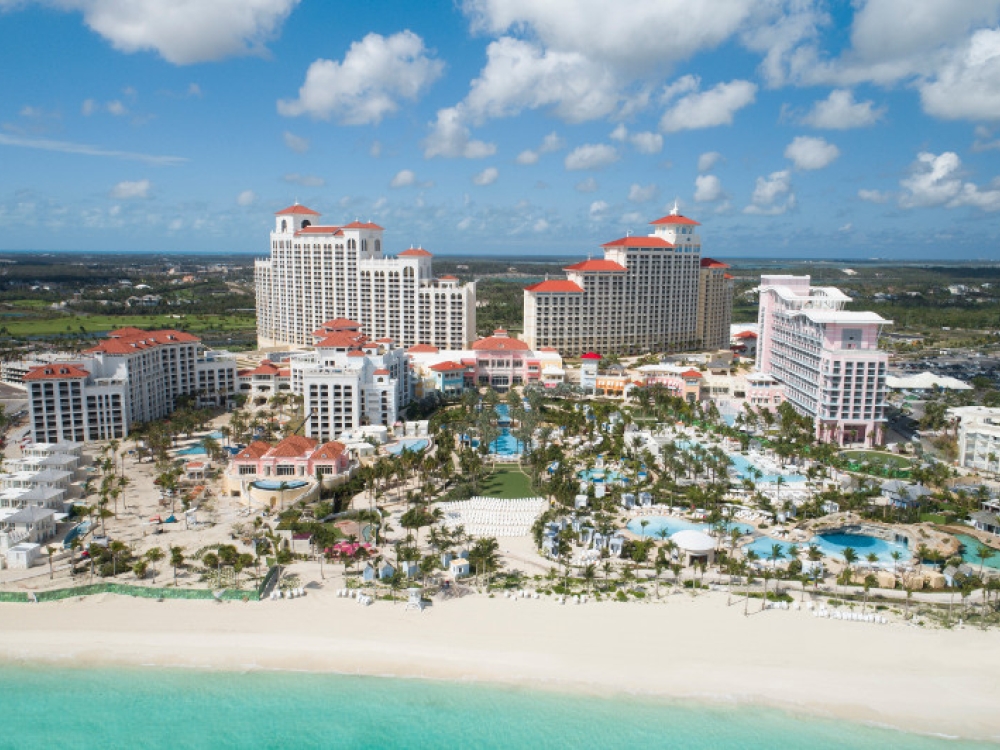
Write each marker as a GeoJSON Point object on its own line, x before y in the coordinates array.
{"type": "Point", "coordinates": [787, 127]}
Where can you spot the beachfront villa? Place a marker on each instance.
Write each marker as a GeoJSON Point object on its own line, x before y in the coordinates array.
{"type": "Point", "coordinates": [295, 461]}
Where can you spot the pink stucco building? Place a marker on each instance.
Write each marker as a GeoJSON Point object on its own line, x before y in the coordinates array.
{"type": "Point", "coordinates": [827, 358]}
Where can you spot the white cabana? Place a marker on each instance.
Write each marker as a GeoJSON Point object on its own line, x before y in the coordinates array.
{"type": "Point", "coordinates": [694, 546]}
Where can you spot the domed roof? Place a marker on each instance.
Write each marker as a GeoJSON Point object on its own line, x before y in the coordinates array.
{"type": "Point", "coordinates": [690, 540]}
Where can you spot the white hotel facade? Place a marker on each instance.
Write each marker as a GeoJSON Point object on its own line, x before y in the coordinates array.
{"type": "Point", "coordinates": [642, 296]}
{"type": "Point", "coordinates": [318, 273]}
{"type": "Point", "coordinates": [826, 357]}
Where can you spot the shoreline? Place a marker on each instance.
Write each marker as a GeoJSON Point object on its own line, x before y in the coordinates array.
{"type": "Point", "coordinates": [934, 683]}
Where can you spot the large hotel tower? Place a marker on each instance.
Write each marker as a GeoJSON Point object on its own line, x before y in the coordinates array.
{"type": "Point", "coordinates": [642, 296]}
{"type": "Point", "coordinates": [319, 273]}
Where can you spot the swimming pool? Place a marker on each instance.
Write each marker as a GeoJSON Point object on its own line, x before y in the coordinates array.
{"type": "Point", "coordinates": [833, 545]}
{"type": "Point", "coordinates": [598, 476]}
{"type": "Point", "coordinates": [414, 445]}
{"type": "Point", "coordinates": [673, 525]}
{"type": "Point", "coordinates": [969, 546]}
{"type": "Point", "coordinates": [743, 465]}
{"type": "Point", "coordinates": [762, 546]}
{"type": "Point", "coordinates": [506, 444]}
{"type": "Point", "coordinates": [275, 484]}
{"type": "Point", "coordinates": [194, 450]}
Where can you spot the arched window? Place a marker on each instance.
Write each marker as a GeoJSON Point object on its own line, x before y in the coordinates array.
{"type": "Point", "coordinates": [284, 225]}
{"type": "Point", "coordinates": [306, 223]}
{"type": "Point", "coordinates": [352, 245]}
{"type": "Point", "coordinates": [364, 245]}
{"type": "Point", "coordinates": [378, 246]}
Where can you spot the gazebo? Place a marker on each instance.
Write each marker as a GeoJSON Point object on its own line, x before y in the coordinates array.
{"type": "Point", "coordinates": [694, 546]}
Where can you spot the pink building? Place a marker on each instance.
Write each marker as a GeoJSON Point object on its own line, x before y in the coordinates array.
{"type": "Point", "coordinates": [827, 358]}
{"type": "Point", "coordinates": [295, 457]}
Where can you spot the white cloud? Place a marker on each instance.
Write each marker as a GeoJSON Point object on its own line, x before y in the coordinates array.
{"type": "Point", "coordinates": [683, 85]}
{"type": "Point", "coordinates": [540, 225]}
{"type": "Point", "coordinates": [117, 108]}
{"type": "Point", "coordinates": [839, 111]}
{"type": "Point", "coordinates": [306, 180]}
{"type": "Point", "coordinates": [642, 194]}
{"type": "Point", "coordinates": [450, 137]}
{"type": "Point", "coordinates": [137, 189]}
{"type": "Point", "coordinates": [175, 225]}
{"type": "Point", "coordinates": [643, 37]}
{"type": "Point", "coordinates": [376, 149]}
{"type": "Point", "coordinates": [67, 147]}
{"type": "Point", "coordinates": [708, 160]}
{"type": "Point", "coordinates": [597, 209]}
{"type": "Point", "coordinates": [551, 142]}
{"type": "Point", "coordinates": [620, 133]}
{"type": "Point", "coordinates": [873, 196]}
{"type": "Point", "coordinates": [246, 198]}
{"type": "Point", "coordinates": [772, 195]}
{"type": "Point", "coordinates": [708, 109]}
{"type": "Point", "coordinates": [527, 157]}
{"type": "Point", "coordinates": [404, 178]}
{"type": "Point", "coordinates": [646, 142]}
{"type": "Point", "coordinates": [785, 33]}
{"type": "Point", "coordinates": [809, 153]}
{"type": "Point", "coordinates": [707, 188]}
{"type": "Point", "coordinates": [194, 90]}
{"type": "Point", "coordinates": [587, 186]}
{"type": "Point", "coordinates": [89, 107]}
{"type": "Point", "coordinates": [936, 180]}
{"type": "Point", "coordinates": [983, 140]}
{"type": "Point", "coordinates": [375, 74]}
{"type": "Point", "coordinates": [487, 177]}
{"type": "Point", "coordinates": [967, 86]}
{"type": "Point", "coordinates": [185, 32]}
{"type": "Point", "coordinates": [521, 75]}
{"type": "Point", "coordinates": [591, 156]}
{"type": "Point", "coordinates": [296, 143]}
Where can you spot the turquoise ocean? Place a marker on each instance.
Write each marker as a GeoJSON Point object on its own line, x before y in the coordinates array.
{"type": "Point", "coordinates": [167, 708]}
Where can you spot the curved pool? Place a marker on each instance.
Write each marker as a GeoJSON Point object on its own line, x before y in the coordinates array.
{"type": "Point", "coordinates": [762, 547]}
{"type": "Point", "coordinates": [273, 484]}
{"type": "Point", "coordinates": [414, 445]}
{"type": "Point", "coordinates": [672, 525]}
{"type": "Point", "coordinates": [601, 475]}
{"type": "Point", "coordinates": [833, 545]}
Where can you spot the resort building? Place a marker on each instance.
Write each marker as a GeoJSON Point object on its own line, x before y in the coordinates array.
{"type": "Point", "coordinates": [349, 381]}
{"type": "Point", "coordinates": [641, 296]}
{"type": "Point", "coordinates": [317, 273]}
{"type": "Point", "coordinates": [497, 361]}
{"type": "Point", "coordinates": [132, 376]}
{"type": "Point", "coordinates": [978, 437]}
{"type": "Point", "coordinates": [827, 358]}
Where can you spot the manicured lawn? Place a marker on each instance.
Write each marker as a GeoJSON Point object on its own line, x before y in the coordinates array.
{"type": "Point", "coordinates": [507, 481]}
{"type": "Point", "coordinates": [889, 459]}
{"type": "Point", "coordinates": [96, 323]}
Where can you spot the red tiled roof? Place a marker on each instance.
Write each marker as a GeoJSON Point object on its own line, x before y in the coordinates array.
{"type": "Point", "coordinates": [746, 335]}
{"type": "Point", "coordinates": [590, 355]}
{"type": "Point", "coordinates": [297, 209]}
{"type": "Point", "coordinates": [727, 276]}
{"type": "Point", "coordinates": [254, 451]}
{"type": "Point", "coordinates": [549, 349]}
{"type": "Point", "coordinates": [362, 225]}
{"type": "Point", "coordinates": [448, 277]}
{"type": "Point", "coordinates": [292, 446]}
{"type": "Point", "coordinates": [329, 451]}
{"type": "Point", "coordinates": [129, 340]}
{"type": "Point", "coordinates": [340, 324]}
{"type": "Point", "coordinates": [555, 285]}
{"type": "Point", "coordinates": [382, 371]}
{"type": "Point", "coordinates": [265, 368]}
{"type": "Point", "coordinates": [415, 252]}
{"type": "Point", "coordinates": [355, 353]}
{"type": "Point", "coordinates": [384, 340]}
{"type": "Point", "coordinates": [55, 372]}
{"type": "Point", "coordinates": [713, 263]}
{"type": "Point", "coordinates": [340, 340]}
{"type": "Point", "coordinates": [676, 219]}
{"type": "Point", "coordinates": [447, 367]}
{"type": "Point", "coordinates": [500, 341]}
{"type": "Point", "coordinates": [422, 349]}
{"type": "Point", "coordinates": [691, 374]}
{"type": "Point", "coordinates": [596, 265]}
{"type": "Point", "coordinates": [639, 242]}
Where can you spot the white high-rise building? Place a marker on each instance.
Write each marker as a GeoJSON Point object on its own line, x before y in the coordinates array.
{"type": "Point", "coordinates": [318, 273]}
{"type": "Point", "coordinates": [642, 296]}
{"type": "Point", "coordinates": [826, 357]}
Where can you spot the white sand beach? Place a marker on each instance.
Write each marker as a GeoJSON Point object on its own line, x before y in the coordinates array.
{"type": "Point", "coordinates": [931, 681]}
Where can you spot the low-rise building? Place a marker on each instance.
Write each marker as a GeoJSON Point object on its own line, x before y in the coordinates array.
{"type": "Point", "coordinates": [978, 437]}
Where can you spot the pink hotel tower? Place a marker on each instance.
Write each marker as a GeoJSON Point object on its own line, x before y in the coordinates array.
{"type": "Point", "coordinates": [827, 358]}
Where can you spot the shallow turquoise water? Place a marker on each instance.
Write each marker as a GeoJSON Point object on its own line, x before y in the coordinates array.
{"type": "Point", "coordinates": [970, 544]}
{"type": "Point", "coordinates": [158, 708]}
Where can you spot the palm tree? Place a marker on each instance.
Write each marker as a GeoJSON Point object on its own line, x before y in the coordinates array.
{"type": "Point", "coordinates": [176, 560]}
{"type": "Point", "coordinates": [51, 551]}
{"type": "Point", "coordinates": [589, 573]}
{"type": "Point", "coordinates": [984, 553]}
{"type": "Point", "coordinates": [850, 557]}
{"type": "Point", "coordinates": [896, 557]}
{"type": "Point", "coordinates": [154, 555]}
